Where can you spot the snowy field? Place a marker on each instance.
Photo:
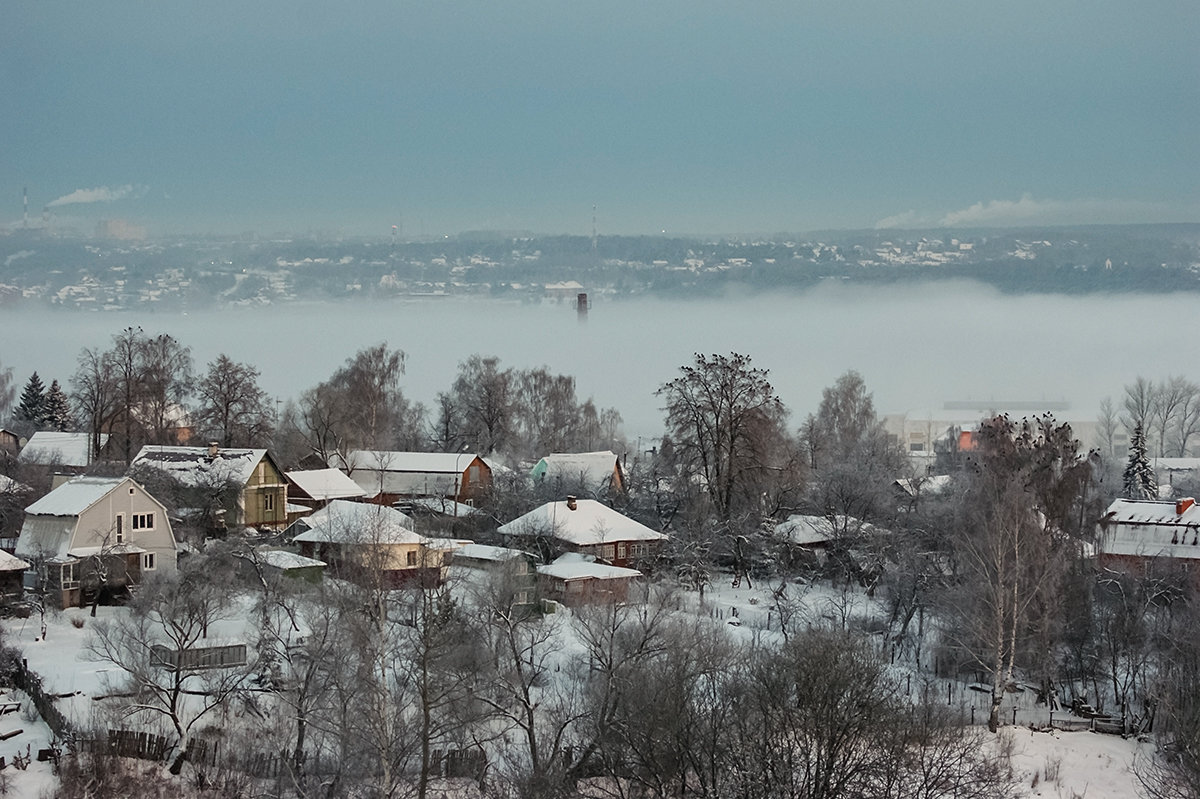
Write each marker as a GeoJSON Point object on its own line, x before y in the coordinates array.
{"type": "Point", "coordinates": [1044, 764]}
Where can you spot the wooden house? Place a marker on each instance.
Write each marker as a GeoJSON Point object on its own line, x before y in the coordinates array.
{"type": "Point", "coordinates": [591, 473]}
{"type": "Point", "coordinates": [95, 534]}
{"type": "Point", "coordinates": [577, 579]}
{"type": "Point", "coordinates": [367, 542]}
{"type": "Point", "coordinates": [1137, 536]}
{"type": "Point", "coordinates": [511, 572]}
{"type": "Point", "coordinates": [589, 527]}
{"type": "Point", "coordinates": [70, 453]}
{"type": "Point", "coordinates": [316, 488]}
{"type": "Point", "coordinates": [246, 484]}
{"type": "Point", "coordinates": [388, 477]}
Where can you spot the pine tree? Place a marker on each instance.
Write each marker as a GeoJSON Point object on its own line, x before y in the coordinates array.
{"type": "Point", "coordinates": [58, 414]}
{"type": "Point", "coordinates": [32, 408]}
{"type": "Point", "coordinates": [1139, 481]}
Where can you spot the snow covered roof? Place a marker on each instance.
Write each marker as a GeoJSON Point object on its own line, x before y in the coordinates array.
{"type": "Point", "coordinates": [934, 484]}
{"type": "Point", "coordinates": [1176, 464]}
{"type": "Point", "coordinates": [424, 462]}
{"type": "Point", "coordinates": [487, 553]}
{"type": "Point", "coordinates": [405, 473]}
{"type": "Point", "coordinates": [345, 522]}
{"type": "Point", "coordinates": [323, 484]}
{"type": "Point", "coordinates": [74, 496]}
{"type": "Point", "coordinates": [11, 486]}
{"type": "Point", "coordinates": [591, 522]}
{"type": "Point", "coordinates": [60, 449]}
{"type": "Point", "coordinates": [282, 559]}
{"type": "Point", "coordinates": [1149, 528]}
{"type": "Point", "coordinates": [198, 466]}
{"type": "Point", "coordinates": [442, 505]}
{"type": "Point", "coordinates": [11, 563]}
{"type": "Point", "coordinates": [811, 530]}
{"type": "Point", "coordinates": [575, 566]}
{"type": "Point", "coordinates": [593, 469]}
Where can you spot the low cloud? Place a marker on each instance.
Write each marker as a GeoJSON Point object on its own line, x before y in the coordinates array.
{"type": "Point", "coordinates": [1029, 210]}
{"type": "Point", "coordinates": [100, 194]}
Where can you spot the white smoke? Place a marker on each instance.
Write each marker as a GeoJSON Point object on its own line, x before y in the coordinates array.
{"type": "Point", "coordinates": [100, 194]}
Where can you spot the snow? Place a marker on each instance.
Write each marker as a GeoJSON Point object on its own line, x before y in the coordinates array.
{"type": "Point", "coordinates": [196, 466]}
{"type": "Point", "coordinates": [451, 463]}
{"type": "Point", "coordinates": [574, 566]}
{"type": "Point", "coordinates": [1088, 764]}
{"type": "Point", "coordinates": [10, 563]}
{"type": "Point", "coordinates": [345, 522]}
{"type": "Point", "coordinates": [594, 468]}
{"type": "Point", "coordinates": [1151, 528]}
{"type": "Point", "coordinates": [74, 497]}
{"type": "Point", "coordinates": [489, 553]}
{"type": "Point", "coordinates": [323, 484]}
{"type": "Point", "coordinates": [591, 522]}
{"type": "Point", "coordinates": [446, 507]}
{"type": "Point", "coordinates": [282, 559]}
{"type": "Point", "coordinates": [59, 449]}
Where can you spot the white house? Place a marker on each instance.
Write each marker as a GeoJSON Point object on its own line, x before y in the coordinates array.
{"type": "Point", "coordinates": [95, 533]}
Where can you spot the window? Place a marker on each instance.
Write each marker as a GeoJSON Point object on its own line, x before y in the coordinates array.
{"type": "Point", "coordinates": [411, 557]}
{"type": "Point", "coordinates": [149, 561]}
{"type": "Point", "coordinates": [120, 532]}
{"type": "Point", "coordinates": [70, 579]}
{"type": "Point", "coordinates": [621, 550]}
{"type": "Point", "coordinates": [268, 502]}
{"type": "Point", "coordinates": [606, 551]}
{"type": "Point", "coordinates": [143, 521]}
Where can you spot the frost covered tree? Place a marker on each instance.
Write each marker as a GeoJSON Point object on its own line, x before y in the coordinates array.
{"type": "Point", "coordinates": [31, 410]}
{"type": "Point", "coordinates": [59, 415]}
{"type": "Point", "coordinates": [1139, 480]}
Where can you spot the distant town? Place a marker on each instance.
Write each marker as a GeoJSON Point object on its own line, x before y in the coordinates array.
{"type": "Point", "coordinates": [119, 269]}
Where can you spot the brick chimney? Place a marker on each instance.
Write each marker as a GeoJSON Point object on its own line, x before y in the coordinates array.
{"type": "Point", "coordinates": [1181, 505]}
{"type": "Point", "coordinates": [571, 503]}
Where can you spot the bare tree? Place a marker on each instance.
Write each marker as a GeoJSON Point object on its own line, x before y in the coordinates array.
{"type": "Point", "coordinates": [722, 414]}
{"type": "Point", "coordinates": [169, 618]}
{"type": "Point", "coordinates": [233, 410]}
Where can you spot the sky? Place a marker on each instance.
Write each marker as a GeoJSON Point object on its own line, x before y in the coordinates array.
{"type": "Point", "coordinates": [693, 117]}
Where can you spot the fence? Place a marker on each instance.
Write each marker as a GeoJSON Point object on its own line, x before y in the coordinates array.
{"type": "Point", "coordinates": [31, 683]}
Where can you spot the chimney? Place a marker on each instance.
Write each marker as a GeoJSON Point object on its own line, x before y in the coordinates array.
{"type": "Point", "coordinates": [212, 450]}
{"type": "Point", "coordinates": [1182, 505]}
{"type": "Point", "coordinates": [571, 503]}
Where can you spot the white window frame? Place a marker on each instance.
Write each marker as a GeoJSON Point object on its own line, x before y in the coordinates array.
{"type": "Point", "coordinates": [72, 567]}
{"type": "Point", "coordinates": [119, 530]}
{"type": "Point", "coordinates": [143, 521]}
{"type": "Point", "coordinates": [268, 502]}
{"type": "Point", "coordinates": [149, 561]}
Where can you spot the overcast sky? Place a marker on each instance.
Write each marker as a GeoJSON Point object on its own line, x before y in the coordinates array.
{"type": "Point", "coordinates": [681, 115]}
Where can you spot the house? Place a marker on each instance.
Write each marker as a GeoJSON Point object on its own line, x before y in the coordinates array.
{"type": "Point", "coordinates": [577, 579]}
{"type": "Point", "coordinates": [275, 563]}
{"type": "Point", "coordinates": [1170, 471]}
{"type": "Point", "coordinates": [14, 496]}
{"type": "Point", "coordinates": [391, 476]}
{"type": "Point", "coordinates": [68, 452]}
{"type": "Point", "coordinates": [589, 527]}
{"type": "Point", "coordinates": [10, 448]}
{"type": "Point", "coordinates": [95, 534]}
{"type": "Point", "coordinates": [511, 571]}
{"type": "Point", "coordinates": [12, 577]}
{"type": "Point", "coordinates": [583, 472]}
{"type": "Point", "coordinates": [360, 541]}
{"type": "Point", "coordinates": [1136, 534]}
{"type": "Point", "coordinates": [246, 486]}
{"type": "Point", "coordinates": [316, 488]}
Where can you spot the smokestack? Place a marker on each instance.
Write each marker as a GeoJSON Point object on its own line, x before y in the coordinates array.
{"type": "Point", "coordinates": [571, 503]}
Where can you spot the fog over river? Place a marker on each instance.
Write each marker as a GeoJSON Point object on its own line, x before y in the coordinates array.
{"type": "Point", "coordinates": [917, 346]}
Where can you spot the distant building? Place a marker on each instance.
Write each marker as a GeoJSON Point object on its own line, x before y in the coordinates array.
{"type": "Point", "coordinates": [588, 527]}
{"type": "Point", "coordinates": [1136, 535]}
{"type": "Point", "coordinates": [595, 473]}
{"type": "Point", "coordinates": [387, 477]}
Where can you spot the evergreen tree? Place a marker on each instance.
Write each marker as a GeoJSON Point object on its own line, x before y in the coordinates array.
{"type": "Point", "coordinates": [32, 408]}
{"type": "Point", "coordinates": [1139, 480]}
{"type": "Point", "coordinates": [58, 414]}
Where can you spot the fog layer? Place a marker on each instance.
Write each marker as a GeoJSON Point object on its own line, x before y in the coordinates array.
{"type": "Point", "coordinates": [916, 346]}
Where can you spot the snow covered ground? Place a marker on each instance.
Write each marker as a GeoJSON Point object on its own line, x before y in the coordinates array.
{"type": "Point", "coordinates": [1045, 764]}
